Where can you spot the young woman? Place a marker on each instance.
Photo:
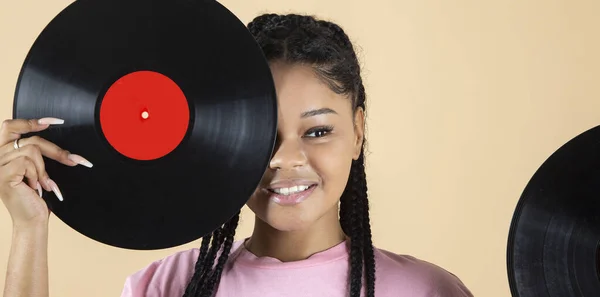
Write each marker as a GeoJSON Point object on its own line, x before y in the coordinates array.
{"type": "Point", "coordinates": [299, 245]}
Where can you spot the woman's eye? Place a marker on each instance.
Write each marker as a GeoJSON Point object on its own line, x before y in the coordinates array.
{"type": "Point", "coordinates": [318, 132]}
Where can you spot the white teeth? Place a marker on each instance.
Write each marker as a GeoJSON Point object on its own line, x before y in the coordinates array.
{"type": "Point", "coordinates": [290, 190]}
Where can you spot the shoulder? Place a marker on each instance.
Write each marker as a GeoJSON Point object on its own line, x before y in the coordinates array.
{"type": "Point", "coordinates": [167, 274]}
{"type": "Point", "coordinates": [165, 277]}
{"type": "Point", "coordinates": [397, 272]}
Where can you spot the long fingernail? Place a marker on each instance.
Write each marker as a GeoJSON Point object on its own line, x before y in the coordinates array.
{"type": "Point", "coordinates": [55, 189]}
{"type": "Point", "coordinates": [45, 182]}
{"type": "Point", "coordinates": [80, 160]}
{"type": "Point", "coordinates": [50, 121]}
{"type": "Point", "coordinates": [39, 188]}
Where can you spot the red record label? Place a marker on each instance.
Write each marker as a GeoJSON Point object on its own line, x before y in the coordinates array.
{"type": "Point", "coordinates": [144, 115]}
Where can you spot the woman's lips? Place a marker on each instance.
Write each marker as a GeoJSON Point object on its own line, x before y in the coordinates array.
{"type": "Point", "coordinates": [290, 191]}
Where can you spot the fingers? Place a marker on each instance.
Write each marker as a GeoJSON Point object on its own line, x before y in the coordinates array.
{"type": "Point", "coordinates": [25, 157]}
{"type": "Point", "coordinates": [34, 156]}
{"type": "Point", "coordinates": [31, 174]}
{"type": "Point", "coordinates": [49, 150]}
{"type": "Point", "coordinates": [13, 129]}
{"type": "Point", "coordinates": [19, 170]}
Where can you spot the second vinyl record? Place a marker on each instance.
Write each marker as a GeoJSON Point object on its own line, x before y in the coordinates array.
{"type": "Point", "coordinates": [553, 245]}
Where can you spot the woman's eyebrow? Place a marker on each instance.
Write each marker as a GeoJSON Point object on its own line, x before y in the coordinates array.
{"type": "Point", "coordinates": [315, 112]}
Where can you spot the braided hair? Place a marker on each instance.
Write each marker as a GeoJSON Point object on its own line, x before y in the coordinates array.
{"type": "Point", "coordinates": [304, 39]}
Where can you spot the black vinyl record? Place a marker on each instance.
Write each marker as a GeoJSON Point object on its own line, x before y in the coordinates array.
{"type": "Point", "coordinates": [555, 232]}
{"type": "Point", "coordinates": [171, 100]}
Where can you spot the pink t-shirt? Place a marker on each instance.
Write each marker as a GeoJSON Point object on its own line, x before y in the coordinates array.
{"type": "Point", "coordinates": [323, 274]}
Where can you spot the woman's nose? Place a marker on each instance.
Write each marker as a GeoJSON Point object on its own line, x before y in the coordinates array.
{"type": "Point", "coordinates": [288, 155]}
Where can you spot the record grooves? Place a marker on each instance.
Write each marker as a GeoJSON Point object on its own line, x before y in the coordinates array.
{"type": "Point", "coordinates": [554, 238]}
{"type": "Point", "coordinates": [171, 100]}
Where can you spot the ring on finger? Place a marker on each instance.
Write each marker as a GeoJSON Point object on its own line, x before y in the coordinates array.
{"type": "Point", "coordinates": [16, 144]}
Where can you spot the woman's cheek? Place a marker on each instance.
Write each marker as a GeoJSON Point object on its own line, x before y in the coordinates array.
{"type": "Point", "coordinates": [330, 160]}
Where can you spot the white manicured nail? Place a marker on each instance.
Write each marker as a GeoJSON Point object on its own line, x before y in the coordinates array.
{"type": "Point", "coordinates": [55, 189]}
{"type": "Point", "coordinates": [50, 121]}
{"type": "Point", "coordinates": [80, 160]}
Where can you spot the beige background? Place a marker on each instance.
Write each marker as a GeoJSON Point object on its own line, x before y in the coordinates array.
{"type": "Point", "coordinates": [466, 100]}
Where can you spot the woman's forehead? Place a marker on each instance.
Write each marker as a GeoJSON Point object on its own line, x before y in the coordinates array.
{"type": "Point", "coordinates": [298, 86]}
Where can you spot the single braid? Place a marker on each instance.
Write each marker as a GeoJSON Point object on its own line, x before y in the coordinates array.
{"type": "Point", "coordinates": [205, 278]}
{"type": "Point", "coordinates": [358, 223]}
{"type": "Point", "coordinates": [258, 25]}
{"type": "Point", "coordinates": [369, 256]}
{"type": "Point", "coordinates": [362, 189]}
{"type": "Point", "coordinates": [213, 277]}
{"type": "Point", "coordinates": [339, 35]}
{"type": "Point", "coordinates": [356, 231]}
{"type": "Point", "coordinates": [192, 288]}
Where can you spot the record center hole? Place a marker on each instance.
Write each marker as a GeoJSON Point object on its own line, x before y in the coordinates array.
{"type": "Point", "coordinates": [145, 115]}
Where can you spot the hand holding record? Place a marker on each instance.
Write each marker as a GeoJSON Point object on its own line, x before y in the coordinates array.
{"type": "Point", "coordinates": [22, 168]}
{"type": "Point", "coordinates": [170, 119]}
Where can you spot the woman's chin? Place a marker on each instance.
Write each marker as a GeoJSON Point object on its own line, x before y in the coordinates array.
{"type": "Point", "coordinates": [290, 215]}
{"type": "Point", "coordinates": [287, 221]}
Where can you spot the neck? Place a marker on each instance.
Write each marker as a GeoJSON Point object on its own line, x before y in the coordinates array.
{"type": "Point", "coordinates": [296, 245]}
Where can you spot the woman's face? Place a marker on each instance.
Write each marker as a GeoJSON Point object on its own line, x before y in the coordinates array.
{"type": "Point", "coordinates": [316, 141]}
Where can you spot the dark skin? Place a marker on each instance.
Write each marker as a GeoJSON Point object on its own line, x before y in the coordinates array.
{"type": "Point", "coordinates": [284, 232]}
{"type": "Point", "coordinates": [322, 155]}
{"type": "Point", "coordinates": [22, 177]}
